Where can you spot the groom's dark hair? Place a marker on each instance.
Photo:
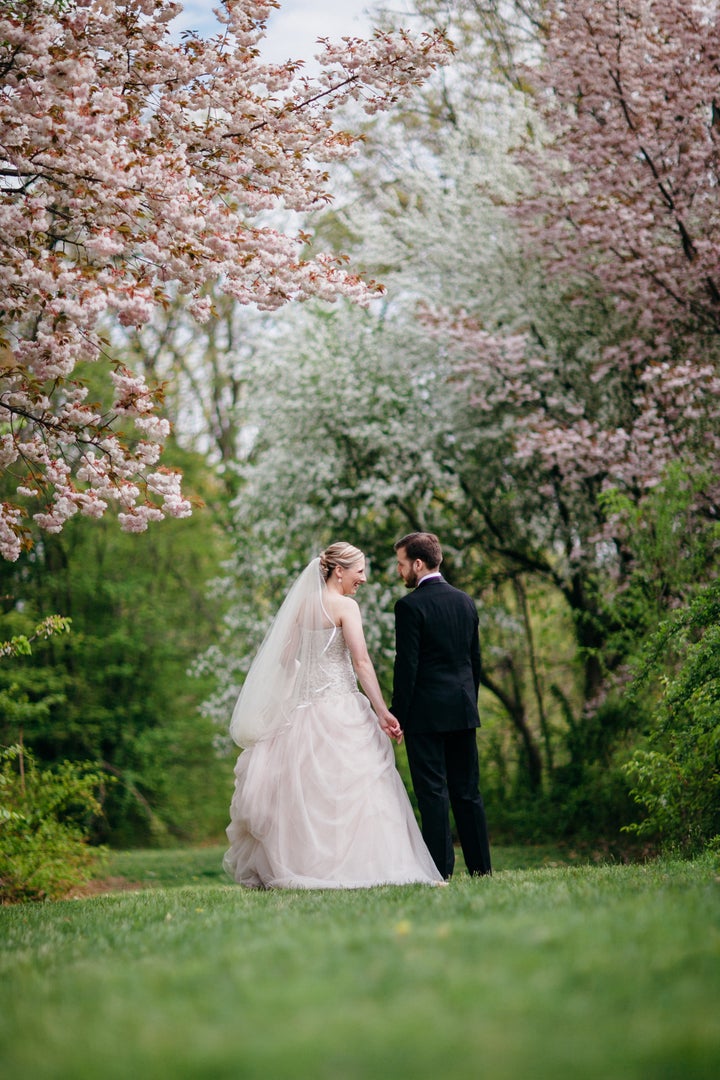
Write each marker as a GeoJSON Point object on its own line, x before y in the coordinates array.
{"type": "Point", "coordinates": [423, 546]}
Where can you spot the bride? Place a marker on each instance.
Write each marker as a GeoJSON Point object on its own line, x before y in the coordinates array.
{"type": "Point", "coordinates": [318, 802]}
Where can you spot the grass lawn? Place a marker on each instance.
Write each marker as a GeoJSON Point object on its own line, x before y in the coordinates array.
{"type": "Point", "coordinates": [203, 865]}
{"type": "Point", "coordinates": [552, 971]}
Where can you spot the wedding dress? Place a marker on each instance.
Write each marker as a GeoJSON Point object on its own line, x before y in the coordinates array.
{"type": "Point", "coordinates": [318, 801]}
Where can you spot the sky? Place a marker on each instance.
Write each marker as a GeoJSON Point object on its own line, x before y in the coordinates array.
{"type": "Point", "coordinates": [294, 29]}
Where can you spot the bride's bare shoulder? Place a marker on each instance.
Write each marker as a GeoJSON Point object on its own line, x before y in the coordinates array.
{"type": "Point", "coordinates": [341, 608]}
{"type": "Point", "coordinates": [350, 608]}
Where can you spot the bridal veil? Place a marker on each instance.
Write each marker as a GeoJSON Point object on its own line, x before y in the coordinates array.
{"type": "Point", "coordinates": [278, 680]}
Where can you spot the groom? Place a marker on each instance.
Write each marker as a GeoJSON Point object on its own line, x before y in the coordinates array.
{"type": "Point", "coordinates": [436, 683]}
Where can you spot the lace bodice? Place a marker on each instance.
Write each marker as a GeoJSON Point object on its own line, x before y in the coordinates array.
{"type": "Point", "coordinates": [327, 662]}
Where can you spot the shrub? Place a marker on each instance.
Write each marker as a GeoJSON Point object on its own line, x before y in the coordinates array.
{"type": "Point", "coordinates": [677, 775]}
{"type": "Point", "coordinates": [45, 817]}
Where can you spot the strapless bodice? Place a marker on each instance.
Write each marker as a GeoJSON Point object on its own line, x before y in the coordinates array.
{"type": "Point", "coordinates": [327, 663]}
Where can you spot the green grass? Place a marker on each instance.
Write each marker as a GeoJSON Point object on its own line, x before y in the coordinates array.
{"type": "Point", "coordinates": [203, 865]}
{"type": "Point", "coordinates": [579, 972]}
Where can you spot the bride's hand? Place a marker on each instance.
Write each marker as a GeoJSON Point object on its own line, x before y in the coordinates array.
{"type": "Point", "coordinates": [391, 727]}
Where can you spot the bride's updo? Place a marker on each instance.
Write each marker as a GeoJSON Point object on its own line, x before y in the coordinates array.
{"type": "Point", "coordinates": [339, 554]}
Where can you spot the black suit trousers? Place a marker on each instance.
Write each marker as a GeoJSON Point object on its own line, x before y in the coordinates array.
{"type": "Point", "coordinates": [445, 773]}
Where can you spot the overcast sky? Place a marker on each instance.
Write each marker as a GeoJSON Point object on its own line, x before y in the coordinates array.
{"type": "Point", "coordinates": [294, 29]}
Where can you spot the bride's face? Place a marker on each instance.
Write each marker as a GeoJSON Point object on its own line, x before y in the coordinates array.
{"type": "Point", "coordinates": [353, 578]}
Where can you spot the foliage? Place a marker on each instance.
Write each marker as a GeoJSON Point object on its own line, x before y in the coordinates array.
{"type": "Point", "coordinates": [623, 207]}
{"type": "Point", "coordinates": [204, 370]}
{"type": "Point", "coordinates": [670, 546]}
{"type": "Point", "coordinates": [45, 821]}
{"type": "Point", "coordinates": [676, 776]}
{"type": "Point", "coordinates": [117, 691]}
{"type": "Point", "coordinates": [21, 644]}
{"type": "Point", "coordinates": [136, 169]}
{"type": "Point", "coordinates": [626, 188]}
{"type": "Point", "coordinates": [551, 973]}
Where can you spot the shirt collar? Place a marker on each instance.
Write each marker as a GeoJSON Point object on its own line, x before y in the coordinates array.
{"type": "Point", "coordinates": [435, 575]}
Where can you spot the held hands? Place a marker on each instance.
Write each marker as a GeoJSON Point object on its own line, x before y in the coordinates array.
{"type": "Point", "coordinates": [391, 727]}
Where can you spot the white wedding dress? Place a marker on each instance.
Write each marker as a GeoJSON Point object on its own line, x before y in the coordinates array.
{"type": "Point", "coordinates": [319, 803]}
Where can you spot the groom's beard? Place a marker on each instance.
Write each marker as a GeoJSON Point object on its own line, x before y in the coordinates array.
{"type": "Point", "coordinates": [411, 580]}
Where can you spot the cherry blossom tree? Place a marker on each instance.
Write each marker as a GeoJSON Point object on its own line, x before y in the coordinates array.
{"type": "Point", "coordinates": [134, 169]}
{"type": "Point", "coordinates": [629, 173]}
{"type": "Point", "coordinates": [625, 204]}
{"type": "Point", "coordinates": [602, 353]}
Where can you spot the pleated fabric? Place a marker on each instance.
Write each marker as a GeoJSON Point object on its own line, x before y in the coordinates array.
{"type": "Point", "coordinates": [320, 804]}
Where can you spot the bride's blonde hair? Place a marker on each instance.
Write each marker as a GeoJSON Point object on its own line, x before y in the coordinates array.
{"type": "Point", "coordinates": [339, 554]}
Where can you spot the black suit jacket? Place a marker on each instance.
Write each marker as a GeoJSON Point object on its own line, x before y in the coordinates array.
{"type": "Point", "coordinates": [437, 659]}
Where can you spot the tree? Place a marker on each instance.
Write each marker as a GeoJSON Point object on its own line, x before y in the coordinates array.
{"type": "Point", "coordinates": [134, 169]}
{"type": "Point", "coordinates": [625, 206]}
{"type": "Point", "coordinates": [629, 95]}
{"type": "Point", "coordinates": [204, 371]}
{"type": "Point", "coordinates": [116, 693]}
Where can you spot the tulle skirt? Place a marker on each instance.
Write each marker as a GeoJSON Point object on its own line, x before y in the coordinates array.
{"type": "Point", "coordinates": [320, 805]}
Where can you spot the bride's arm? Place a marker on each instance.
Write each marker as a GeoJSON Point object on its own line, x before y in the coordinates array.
{"type": "Point", "coordinates": [351, 622]}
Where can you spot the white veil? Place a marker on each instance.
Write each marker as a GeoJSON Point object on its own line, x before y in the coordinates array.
{"type": "Point", "coordinates": [279, 677]}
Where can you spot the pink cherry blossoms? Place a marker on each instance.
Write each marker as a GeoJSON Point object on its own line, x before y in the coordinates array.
{"type": "Point", "coordinates": [622, 217]}
{"type": "Point", "coordinates": [134, 170]}
{"type": "Point", "coordinates": [628, 186]}
{"type": "Point", "coordinates": [627, 195]}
